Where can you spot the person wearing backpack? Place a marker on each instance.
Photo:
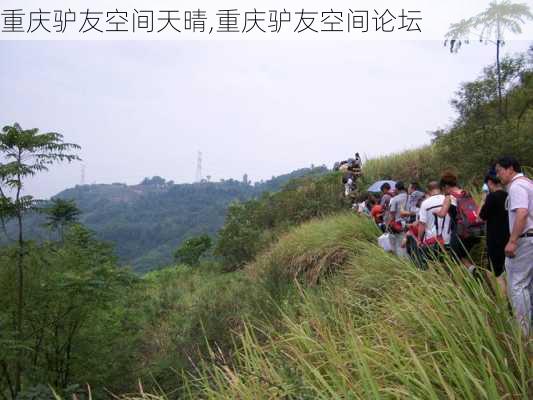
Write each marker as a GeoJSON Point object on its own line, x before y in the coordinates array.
{"type": "Point", "coordinates": [466, 228]}
{"type": "Point", "coordinates": [519, 248]}
{"type": "Point", "coordinates": [416, 196]}
{"type": "Point", "coordinates": [433, 231]}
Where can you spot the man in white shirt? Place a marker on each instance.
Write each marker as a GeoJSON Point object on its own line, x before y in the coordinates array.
{"type": "Point", "coordinates": [433, 229]}
{"type": "Point", "coordinates": [519, 249]}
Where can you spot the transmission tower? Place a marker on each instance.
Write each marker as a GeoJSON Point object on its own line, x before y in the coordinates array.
{"type": "Point", "coordinates": [199, 167]}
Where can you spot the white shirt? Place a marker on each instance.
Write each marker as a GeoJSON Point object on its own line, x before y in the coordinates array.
{"type": "Point", "coordinates": [429, 207]}
{"type": "Point", "coordinates": [520, 196]}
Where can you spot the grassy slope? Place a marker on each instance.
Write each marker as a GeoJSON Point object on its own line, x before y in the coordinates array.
{"type": "Point", "coordinates": [380, 329]}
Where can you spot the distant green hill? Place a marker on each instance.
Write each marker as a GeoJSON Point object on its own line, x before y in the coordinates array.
{"type": "Point", "coordinates": [146, 222]}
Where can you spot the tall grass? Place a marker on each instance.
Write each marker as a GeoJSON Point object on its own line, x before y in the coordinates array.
{"type": "Point", "coordinates": [312, 250]}
{"type": "Point", "coordinates": [377, 329]}
{"type": "Point", "coordinates": [420, 164]}
{"type": "Point", "coordinates": [388, 331]}
{"type": "Point", "coordinates": [380, 329]}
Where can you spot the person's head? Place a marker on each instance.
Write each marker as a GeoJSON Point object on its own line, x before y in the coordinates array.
{"type": "Point", "coordinates": [433, 188]}
{"type": "Point", "coordinates": [493, 182]}
{"type": "Point", "coordinates": [385, 188]}
{"type": "Point", "coordinates": [413, 187]}
{"type": "Point", "coordinates": [448, 181]}
{"type": "Point", "coordinates": [400, 187]}
{"type": "Point", "coordinates": [506, 168]}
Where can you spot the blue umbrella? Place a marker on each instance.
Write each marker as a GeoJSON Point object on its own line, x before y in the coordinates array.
{"type": "Point", "coordinates": [376, 186]}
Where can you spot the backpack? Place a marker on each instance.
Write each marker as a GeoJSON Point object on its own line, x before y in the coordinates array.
{"type": "Point", "coordinates": [467, 222]}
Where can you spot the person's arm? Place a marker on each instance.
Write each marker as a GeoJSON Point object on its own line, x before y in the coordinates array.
{"type": "Point", "coordinates": [404, 213]}
{"type": "Point", "coordinates": [445, 207]}
{"type": "Point", "coordinates": [485, 208]}
{"type": "Point", "coordinates": [422, 223]}
{"type": "Point", "coordinates": [519, 203]}
{"type": "Point", "coordinates": [421, 231]}
{"type": "Point", "coordinates": [518, 228]}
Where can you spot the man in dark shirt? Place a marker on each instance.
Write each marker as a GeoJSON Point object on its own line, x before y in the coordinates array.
{"type": "Point", "coordinates": [493, 212]}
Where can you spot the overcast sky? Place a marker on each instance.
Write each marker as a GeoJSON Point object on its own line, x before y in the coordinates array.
{"type": "Point", "coordinates": [265, 108]}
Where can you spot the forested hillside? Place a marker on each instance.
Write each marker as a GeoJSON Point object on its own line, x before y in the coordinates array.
{"type": "Point", "coordinates": [148, 221]}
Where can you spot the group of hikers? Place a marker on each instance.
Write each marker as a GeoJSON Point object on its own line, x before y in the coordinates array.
{"type": "Point", "coordinates": [445, 219]}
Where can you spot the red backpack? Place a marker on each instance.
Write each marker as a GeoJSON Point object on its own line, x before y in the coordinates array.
{"type": "Point", "coordinates": [468, 223]}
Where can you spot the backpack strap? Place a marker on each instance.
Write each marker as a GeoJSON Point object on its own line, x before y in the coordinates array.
{"type": "Point", "coordinates": [436, 219]}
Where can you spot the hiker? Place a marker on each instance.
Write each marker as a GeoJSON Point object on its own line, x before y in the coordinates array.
{"type": "Point", "coordinates": [493, 212]}
{"type": "Point", "coordinates": [397, 223]}
{"type": "Point", "coordinates": [350, 185]}
{"type": "Point", "coordinates": [377, 214]}
{"type": "Point", "coordinates": [519, 248]}
{"type": "Point", "coordinates": [433, 231]}
{"type": "Point", "coordinates": [466, 228]}
{"type": "Point", "coordinates": [416, 196]}
{"type": "Point", "coordinates": [385, 195]}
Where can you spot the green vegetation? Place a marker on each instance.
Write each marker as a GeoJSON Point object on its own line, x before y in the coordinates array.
{"type": "Point", "coordinates": [191, 250]}
{"type": "Point", "coordinates": [492, 24]}
{"type": "Point", "coordinates": [381, 329]}
{"type": "Point", "coordinates": [478, 136]}
{"type": "Point", "coordinates": [60, 214]}
{"type": "Point", "coordinates": [250, 227]}
{"type": "Point", "coordinates": [297, 302]}
{"type": "Point", "coordinates": [378, 328]}
{"type": "Point", "coordinates": [24, 154]}
{"type": "Point", "coordinates": [147, 222]}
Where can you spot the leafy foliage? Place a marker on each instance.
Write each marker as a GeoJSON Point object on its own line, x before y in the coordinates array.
{"type": "Point", "coordinates": [253, 225]}
{"type": "Point", "coordinates": [61, 213]}
{"type": "Point", "coordinates": [191, 250]}
{"type": "Point", "coordinates": [478, 136]}
{"type": "Point", "coordinates": [75, 322]}
{"type": "Point", "coordinates": [24, 154]}
{"type": "Point", "coordinates": [499, 17]}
